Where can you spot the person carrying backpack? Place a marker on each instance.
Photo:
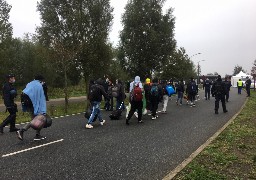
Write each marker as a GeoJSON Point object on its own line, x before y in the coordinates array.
{"type": "Point", "coordinates": [155, 97]}
{"type": "Point", "coordinates": [95, 97]}
{"type": "Point", "coordinates": [136, 99]}
{"type": "Point", "coordinates": [219, 91]}
{"type": "Point", "coordinates": [192, 91]}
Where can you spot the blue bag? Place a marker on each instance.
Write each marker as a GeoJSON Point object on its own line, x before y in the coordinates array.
{"type": "Point", "coordinates": [170, 90]}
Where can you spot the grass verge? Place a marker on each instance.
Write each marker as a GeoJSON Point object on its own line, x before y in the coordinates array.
{"type": "Point", "coordinates": [232, 155]}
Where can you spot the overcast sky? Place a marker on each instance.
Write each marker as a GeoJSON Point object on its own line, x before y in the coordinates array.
{"type": "Point", "coordinates": [223, 31]}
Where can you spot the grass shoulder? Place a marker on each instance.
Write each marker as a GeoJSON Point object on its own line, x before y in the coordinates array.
{"type": "Point", "coordinates": [232, 154]}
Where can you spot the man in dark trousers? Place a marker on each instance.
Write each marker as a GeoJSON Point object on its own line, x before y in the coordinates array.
{"type": "Point", "coordinates": [95, 97]}
{"type": "Point", "coordinates": [248, 83]}
{"type": "Point", "coordinates": [219, 91]}
{"type": "Point", "coordinates": [228, 85]}
{"type": "Point", "coordinates": [9, 93]}
{"type": "Point", "coordinates": [207, 87]}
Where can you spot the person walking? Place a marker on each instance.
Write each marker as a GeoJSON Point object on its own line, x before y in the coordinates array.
{"type": "Point", "coordinates": [95, 97]}
{"type": "Point", "coordinates": [147, 88]}
{"type": "Point", "coordinates": [227, 85]}
{"type": "Point", "coordinates": [121, 95]}
{"type": "Point", "coordinates": [9, 94]}
{"type": "Point", "coordinates": [180, 91]}
{"type": "Point", "coordinates": [155, 97]}
{"type": "Point", "coordinates": [164, 95]}
{"type": "Point", "coordinates": [248, 83]}
{"type": "Point", "coordinates": [240, 86]}
{"type": "Point", "coordinates": [136, 99]}
{"type": "Point", "coordinates": [192, 91]}
{"type": "Point", "coordinates": [35, 94]}
{"type": "Point", "coordinates": [207, 88]}
{"type": "Point", "coordinates": [219, 91]}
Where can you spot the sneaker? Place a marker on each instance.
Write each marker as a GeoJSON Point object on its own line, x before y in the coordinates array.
{"type": "Point", "coordinates": [225, 111]}
{"type": "Point", "coordinates": [102, 122]}
{"type": "Point", "coordinates": [136, 114]}
{"type": "Point", "coordinates": [88, 126]}
{"type": "Point", "coordinates": [216, 112]}
{"type": "Point", "coordinates": [20, 134]}
{"type": "Point", "coordinates": [153, 117]}
{"type": "Point", "coordinates": [164, 112]}
{"type": "Point", "coordinates": [194, 105]}
{"type": "Point", "coordinates": [140, 121]}
{"type": "Point", "coordinates": [38, 137]}
{"type": "Point", "coordinates": [149, 114]}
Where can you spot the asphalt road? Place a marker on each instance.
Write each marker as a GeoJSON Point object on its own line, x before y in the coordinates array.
{"type": "Point", "coordinates": [114, 151]}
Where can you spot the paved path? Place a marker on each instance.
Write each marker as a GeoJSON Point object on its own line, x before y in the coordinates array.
{"type": "Point", "coordinates": [114, 151]}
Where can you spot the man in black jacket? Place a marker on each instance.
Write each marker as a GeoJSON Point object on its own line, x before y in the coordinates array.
{"type": "Point", "coordinates": [248, 83]}
{"type": "Point", "coordinates": [95, 97]}
{"type": "Point", "coordinates": [219, 91]}
{"type": "Point", "coordinates": [207, 87]}
{"type": "Point", "coordinates": [9, 93]}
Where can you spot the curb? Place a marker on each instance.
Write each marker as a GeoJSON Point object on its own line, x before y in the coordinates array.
{"type": "Point", "coordinates": [181, 166]}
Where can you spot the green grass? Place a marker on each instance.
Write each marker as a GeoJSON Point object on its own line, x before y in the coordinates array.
{"type": "Point", "coordinates": [232, 155]}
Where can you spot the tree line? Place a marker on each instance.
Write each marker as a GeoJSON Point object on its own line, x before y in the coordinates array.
{"type": "Point", "coordinates": [72, 43]}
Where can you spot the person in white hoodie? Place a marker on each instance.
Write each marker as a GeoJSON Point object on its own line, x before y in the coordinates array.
{"type": "Point", "coordinates": [136, 99]}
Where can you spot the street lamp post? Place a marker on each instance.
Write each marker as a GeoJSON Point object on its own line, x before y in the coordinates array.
{"type": "Point", "coordinates": [198, 66]}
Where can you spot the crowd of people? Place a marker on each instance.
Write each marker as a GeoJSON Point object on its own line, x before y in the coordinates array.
{"type": "Point", "coordinates": [151, 97]}
{"type": "Point", "coordinates": [144, 98]}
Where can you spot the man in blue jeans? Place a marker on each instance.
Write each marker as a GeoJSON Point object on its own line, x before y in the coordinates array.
{"type": "Point", "coordinates": [95, 97]}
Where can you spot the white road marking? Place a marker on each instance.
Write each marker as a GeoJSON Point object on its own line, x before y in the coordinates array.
{"type": "Point", "coordinates": [11, 154]}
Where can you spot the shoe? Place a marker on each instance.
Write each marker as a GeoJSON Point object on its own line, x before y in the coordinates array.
{"type": "Point", "coordinates": [149, 114]}
{"type": "Point", "coordinates": [14, 129]}
{"type": "Point", "coordinates": [127, 122]}
{"type": "Point", "coordinates": [38, 137]}
{"type": "Point", "coordinates": [20, 134]}
{"type": "Point", "coordinates": [153, 117]}
{"type": "Point", "coordinates": [102, 122]}
{"type": "Point", "coordinates": [194, 105]}
{"type": "Point", "coordinates": [164, 112]}
{"type": "Point", "coordinates": [216, 112]}
{"type": "Point", "coordinates": [140, 121]}
{"type": "Point", "coordinates": [1, 130]}
{"type": "Point", "coordinates": [136, 114]}
{"type": "Point", "coordinates": [88, 126]}
{"type": "Point", "coordinates": [225, 111]}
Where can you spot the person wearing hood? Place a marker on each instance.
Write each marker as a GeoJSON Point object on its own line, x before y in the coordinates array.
{"type": "Point", "coordinates": [136, 99]}
{"type": "Point", "coordinates": [35, 93]}
{"type": "Point", "coordinates": [248, 83]}
{"type": "Point", "coordinates": [219, 91]}
{"type": "Point", "coordinates": [9, 93]}
{"type": "Point", "coordinates": [147, 87]}
{"type": "Point", "coordinates": [95, 97]}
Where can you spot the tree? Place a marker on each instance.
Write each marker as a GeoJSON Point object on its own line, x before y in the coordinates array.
{"type": "Point", "coordinates": [5, 36]}
{"type": "Point", "coordinates": [179, 66]}
{"type": "Point", "coordinates": [237, 70]}
{"type": "Point", "coordinates": [77, 32]}
{"type": "Point", "coordinates": [147, 39]}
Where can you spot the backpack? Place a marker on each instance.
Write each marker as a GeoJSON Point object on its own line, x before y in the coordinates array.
{"type": "Point", "coordinates": [154, 91]}
{"type": "Point", "coordinates": [193, 87]}
{"type": "Point", "coordinates": [137, 93]}
{"type": "Point", "coordinates": [170, 90]}
{"type": "Point", "coordinates": [115, 91]}
{"type": "Point", "coordinates": [218, 87]}
{"type": "Point", "coordinates": [94, 91]}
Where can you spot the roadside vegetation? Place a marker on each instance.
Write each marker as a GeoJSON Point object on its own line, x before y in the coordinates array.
{"type": "Point", "coordinates": [232, 155]}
